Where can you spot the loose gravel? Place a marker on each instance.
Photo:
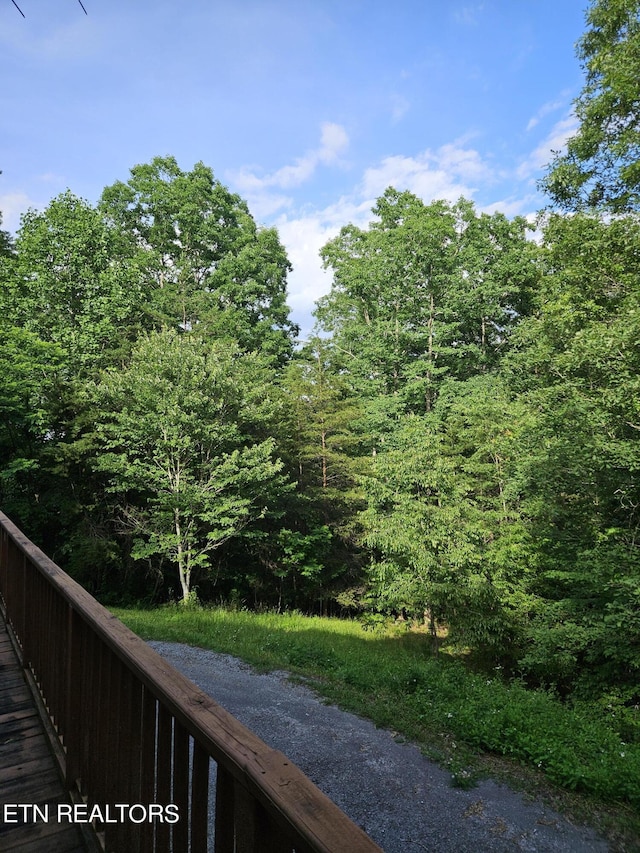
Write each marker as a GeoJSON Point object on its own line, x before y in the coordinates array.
{"type": "Point", "coordinates": [401, 799]}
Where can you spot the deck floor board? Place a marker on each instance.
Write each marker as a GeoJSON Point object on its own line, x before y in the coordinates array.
{"type": "Point", "coordinates": [28, 772]}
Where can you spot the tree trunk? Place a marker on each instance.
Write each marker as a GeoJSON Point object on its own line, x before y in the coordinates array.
{"type": "Point", "coordinates": [433, 630]}
{"type": "Point", "coordinates": [183, 570]}
{"type": "Point", "coordinates": [428, 395]}
{"type": "Point", "coordinates": [323, 436]}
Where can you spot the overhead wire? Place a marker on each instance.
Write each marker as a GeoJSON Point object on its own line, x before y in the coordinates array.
{"type": "Point", "coordinates": [24, 16]}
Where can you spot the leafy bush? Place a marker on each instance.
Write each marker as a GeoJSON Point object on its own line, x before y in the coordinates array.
{"type": "Point", "coordinates": [573, 746]}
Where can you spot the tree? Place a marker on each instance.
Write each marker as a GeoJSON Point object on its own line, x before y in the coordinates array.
{"type": "Point", "coordinates": [321, 412]}
{"type": "Point", "coordinates": [427, 292]}
{"type": "Point", "coordinates": [69, 286]}
{"type": "Point", "coordinates": [174, 438]}
{"type": "Point", "coordinates": [30, 378]}
{"type": "Point", "coordinates": [67, 295]}
{"type": "Point", "coordinates": [386, 296]}
{"type": "Point", "coordinates": [314, 552]}
{"type": "Point", "coordinates": [167, 250]}
{"type": "Point", "coordinates": [425, 300]}
{"type": "Point", "coordinates": [577, 367]}
{"type": "Point", "coordinates": [444, 518]}
{"type": "Point", "coordinates": [601, 167]}
{"type": "Point", "coordinates": [6, 243]}
{"type": "Point", "coordinates": [206, 262]}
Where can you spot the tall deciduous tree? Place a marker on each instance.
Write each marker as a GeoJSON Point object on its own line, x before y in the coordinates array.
{"type": "Point", "coordinates": [601, 166]}
{"type": "Point", "coordinates": [427, 292]}
{"type": "Point", "coordinates": [69, 285]}
{"type": "Point", "coordinates": [578, 366]}
{"type": "Point", "coordinates": [207, 262]}
{"type": "Point", "coordinates": [177, 446]}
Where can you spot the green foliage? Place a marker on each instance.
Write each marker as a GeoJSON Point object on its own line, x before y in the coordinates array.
{"type": "Point", "coordinates": [303, 552]}
{"type": "Point", "coordinates": [443, 516]}
{"type": "Point", "coordinates": [204, 261]}
{"type": "Point", "coordinates": [69, 284]}
{"type": "Point", "coordinates": [427, 292]}
{"type": "Point", "coordinates": [577, 370]}
{"type": "Point", "coordinates": [459, 443]}
{"type": "Point", "coordinates": [6, 244]}
{"type": "Point", "coordinates": [32, 373]}
{"type": "Point", "coordinates": [395, 681]}
{"type": "Point", "coordinates": [573, 747]}
{"type": "Point", "coordinates": [601, 165]}
{"type": "Point", "coordinates": [321, 410]}
{"type": "Point", "coordinates": [170, 438]}
{"type": "Point", "coordinates": [29, 372]}
{"type": "Point", "coordinates": [169, 248]}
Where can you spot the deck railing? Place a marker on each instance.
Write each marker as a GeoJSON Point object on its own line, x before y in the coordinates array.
{"type": "Point", "coordinates": [136, 736]}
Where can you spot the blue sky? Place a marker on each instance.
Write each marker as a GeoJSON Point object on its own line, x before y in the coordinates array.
{"type": "Point", "coordinates": [308, 109]}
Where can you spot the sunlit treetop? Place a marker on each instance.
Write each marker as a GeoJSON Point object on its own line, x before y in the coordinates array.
{"type": "Point", "coordinates": [601, 167]}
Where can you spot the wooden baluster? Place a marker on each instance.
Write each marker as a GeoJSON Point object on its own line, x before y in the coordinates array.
{"type": "Point", "coordinates": [225, 812]}
{"type": "Point", "coordinates": [134, 761]}
{"type": "Point", "coordinates": [163, 789]}
{"type": "Point", "coordinates": [245, 818]}
{"type": "Point", "coordinates": [181, 786]}
{"type": "Point", "coordinates": [76, 712]}
{"type": "Point", "coordinates": [147, 789]}
{"type": "Point", "coordinates": [255, 831]}
{"type": "Point", "coordinates": [199, 799]}
{"type": "Point", "coordinates": [124, 833]}
{"type": "Point", "coordinates": [111, 712]}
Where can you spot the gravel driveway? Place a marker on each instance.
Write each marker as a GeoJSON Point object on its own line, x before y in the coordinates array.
{"type": "Point", "coordinates": [401, 799]}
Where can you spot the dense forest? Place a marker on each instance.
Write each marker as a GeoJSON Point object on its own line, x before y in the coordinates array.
{"type": "Point", "coordinates": [458, 443]}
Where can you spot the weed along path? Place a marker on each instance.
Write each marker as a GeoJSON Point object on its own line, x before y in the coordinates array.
{"type": "Point", "coordinates": [401, 799]}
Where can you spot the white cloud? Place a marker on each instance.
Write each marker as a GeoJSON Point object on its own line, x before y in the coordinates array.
{"type": "Point", "coordinates": [549, 107]}
{"type": "Point", "coordinates": [264, 204]}
{"type": "Point", "coordinates": [333, 142]}
{"type": "Point", "coordinates": [261, 191]}
{"type": "Point", "coordinates": [12, 206]}
{"type": "Point", "coordinates": [448, 173]}
{"type": "Point", "coordinates": [526, 206]}
{"type": "Point", "coordinates": [556, 140]}
{"type": "Point", "coordinates": [464, 162]}
{"type": "Point", "coordinates": [303, 236]}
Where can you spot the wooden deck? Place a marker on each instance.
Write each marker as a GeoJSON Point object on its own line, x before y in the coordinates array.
{"type": "Point", "coordinates": [28, 770]}
{"type": "Point", "coordinates": [130, 729]}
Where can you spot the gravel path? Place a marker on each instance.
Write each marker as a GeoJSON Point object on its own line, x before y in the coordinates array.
{"type": "Point", "coordinates": [401, 799]}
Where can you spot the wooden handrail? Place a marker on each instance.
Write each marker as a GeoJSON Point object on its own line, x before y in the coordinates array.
{"type": "Point", "coordinates": [135, 731]}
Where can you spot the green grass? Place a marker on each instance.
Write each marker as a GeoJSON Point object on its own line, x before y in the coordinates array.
{"type": "Point", "coordinates": [391, 677]}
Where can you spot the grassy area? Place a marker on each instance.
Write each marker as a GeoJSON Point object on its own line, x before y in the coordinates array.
{"type": "Point", "coordinates": [391, 677]}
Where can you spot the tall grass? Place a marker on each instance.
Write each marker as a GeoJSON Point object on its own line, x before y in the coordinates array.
{"type": "Point", "coordinates": [391, 677]}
